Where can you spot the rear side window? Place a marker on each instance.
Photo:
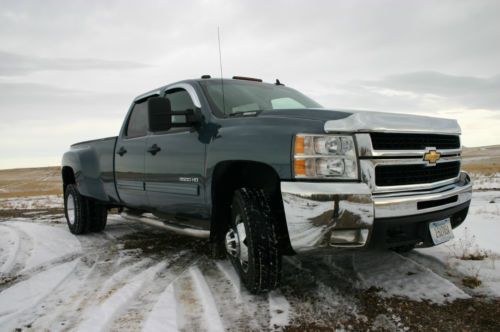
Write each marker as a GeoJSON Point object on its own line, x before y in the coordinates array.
{"type": "Point", "coordinates": [138, 121]}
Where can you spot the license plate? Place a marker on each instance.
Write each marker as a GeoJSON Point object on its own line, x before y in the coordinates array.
{"type": "Point", "coordinates": [441, 231]}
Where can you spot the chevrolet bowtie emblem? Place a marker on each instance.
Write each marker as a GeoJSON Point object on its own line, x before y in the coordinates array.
{"type": "Point", "coordinates": [432, 156]}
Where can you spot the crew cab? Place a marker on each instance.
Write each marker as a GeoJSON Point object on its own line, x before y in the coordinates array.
{"type": "Point", "coordinates": [263, 171]}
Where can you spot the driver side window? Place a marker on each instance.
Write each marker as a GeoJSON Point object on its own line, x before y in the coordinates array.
{"type": "Point", "coordinates": [137, 125]}
{"type": "Point", "coordinates": [180, 100]}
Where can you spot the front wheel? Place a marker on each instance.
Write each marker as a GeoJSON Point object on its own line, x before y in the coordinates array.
{"type": "Point", "coordinates": [251, 241]}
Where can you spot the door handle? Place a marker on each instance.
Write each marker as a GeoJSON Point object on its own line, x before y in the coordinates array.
{"type": "Point", "coordinates": [122, 151]}
{"type": "Point", "coordinates": [154, 149]}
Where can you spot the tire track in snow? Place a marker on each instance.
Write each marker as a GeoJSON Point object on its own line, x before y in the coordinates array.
{"type": "Point", "coordinates": [103, 278]}
{"type": "Point", "coordinates": [10, 246]}
{"type": "Point", "coordinates": [73, 294]}
{"type": "Point", "coordinates": [213, 322]}
{"type": "Point", "coordinates": [104, 257]}
{"type": "Point", "coordinates": [95, 278]}
{"type": "Point", "coordinates": [66, 299]}
{"type": "Point", "coordinates": [143, 305]}
{"type": "Point", "coordinates": [97, 265]}
{"type": "Point", "coordinates": [102, 316]}
{"type": "Point", "coordinates": [41, 246]}
{"type": "Point", "coordinates": [23, 246]}
{"type": "Point", "coordinates": [19, 303]}
{"type": "Point", "coordinates": [239, 308]}
{"type": "Point", "coordinates": [13, 279]}
{"type": "Point", "coordinates": [195, 306]}
{"type": "Point", "coordinates": [188, 305]}
{"type": "Point", "coordinates": [164, 315]}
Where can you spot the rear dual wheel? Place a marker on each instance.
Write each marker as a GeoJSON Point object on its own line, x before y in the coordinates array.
{"type": "Point", "coordinates": [83, 214]}
{"type": "Point", "coordinates": [251, 241]}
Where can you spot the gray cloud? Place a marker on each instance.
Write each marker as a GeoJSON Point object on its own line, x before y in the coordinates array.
{"type": "Point", "coordinates": [18, 64]}
{"type": "Point", "coordinates": [21, 101]}
{"type": "Point", "coordinates": [467, 91]}
{"type": "Point", "coordinates": [437, 58]}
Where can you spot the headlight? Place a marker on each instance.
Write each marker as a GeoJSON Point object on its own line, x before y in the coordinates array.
{"type": "Point", "coordinates": [325, 156]}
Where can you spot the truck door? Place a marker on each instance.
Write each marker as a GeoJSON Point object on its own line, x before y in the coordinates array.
{"type": "Point", "coordinates": [129, 158]}
{"type": "Point", "coordinates": [175, 163]}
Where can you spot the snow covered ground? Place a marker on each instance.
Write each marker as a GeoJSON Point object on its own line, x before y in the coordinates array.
{"type": "Point", "coordinates": [486, 182]}
{"type": "Point", "coordinates": [132, 277]}
{"type": "Point", "coordinates": [31, 202]}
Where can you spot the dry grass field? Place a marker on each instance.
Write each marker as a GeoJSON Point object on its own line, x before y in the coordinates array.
{"type": "Point", "coordinates": [484, 160]}
{"type": "Point", "coordinates": [24, 182]}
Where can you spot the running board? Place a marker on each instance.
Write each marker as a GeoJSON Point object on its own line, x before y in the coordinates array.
{"type": "Point", "coordinates": [151, 220]}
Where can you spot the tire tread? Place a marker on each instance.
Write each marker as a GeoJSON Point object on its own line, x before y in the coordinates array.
{"type": "Point", "coordinates": [256, 209]}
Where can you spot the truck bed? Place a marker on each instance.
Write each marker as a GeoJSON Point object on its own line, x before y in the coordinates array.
{"type": "Point", "coordinates": [98, 158]}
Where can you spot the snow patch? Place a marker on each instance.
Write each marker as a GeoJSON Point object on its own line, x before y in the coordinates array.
{"type": "Point", "coordinates": [396, 275]}
{"type": "Point", "coordinates": [32, 202]}
{"type": "Point", "coordinates": [485, 182]}
{"type": "Point", "coordinates": [27, 294]}
{"type": "Point", "coordinates": [279, 309]}
{"type": "Point", "coordinates": [49, 243]}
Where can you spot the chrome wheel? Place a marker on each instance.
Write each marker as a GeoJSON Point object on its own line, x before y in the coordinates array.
{"type": "Point", "coordinates": [232, 243]}
{"type": "Point", "coordinates": [236, 243]}
{"type": "Point", "coordinates": [70, 209]}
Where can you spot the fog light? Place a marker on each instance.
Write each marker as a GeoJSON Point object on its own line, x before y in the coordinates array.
{"type": "Point", "coordinates": [349, 237]}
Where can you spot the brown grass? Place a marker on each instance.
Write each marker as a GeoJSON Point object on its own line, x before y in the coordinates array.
{"type": "Point", "coordinates": [471, 282]}
{"type": "Point", "coordinates": [30, 182]}
{"type": "Point", "coordinates": [483, 168]}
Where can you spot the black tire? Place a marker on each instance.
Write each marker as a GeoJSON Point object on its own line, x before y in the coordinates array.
{"type": "Point", "coordinates": [83, 215]}
{"type": "Point", "coordinates": [251, 208]}
{"type": "Point", "coordinates": [98, 216]}
{"type": "Point", "coordinates": [76, 210]}
{"type": "Point", "coordinates": [217, 250]}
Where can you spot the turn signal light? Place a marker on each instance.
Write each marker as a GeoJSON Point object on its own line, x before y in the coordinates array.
{"type": "Point", "coordinates": [300, 167]}
{"type": "Point", "coordinates": [299, 145]}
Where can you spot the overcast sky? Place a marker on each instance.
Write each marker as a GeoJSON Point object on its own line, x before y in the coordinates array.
{"type": "Point", "coordinates": [69, 69]}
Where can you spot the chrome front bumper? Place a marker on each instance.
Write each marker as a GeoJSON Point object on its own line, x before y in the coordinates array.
{"type": "Point", "coordinates": [321, 215]}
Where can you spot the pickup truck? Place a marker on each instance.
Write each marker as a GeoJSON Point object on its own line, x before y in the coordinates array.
{"type": "Point", "coordinates": [263, 171]}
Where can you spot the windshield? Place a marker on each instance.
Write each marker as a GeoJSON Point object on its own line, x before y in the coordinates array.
{"type": "Point", "coordinates": [246, 96]}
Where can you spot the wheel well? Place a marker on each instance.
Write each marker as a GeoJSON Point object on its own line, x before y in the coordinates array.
{"type": "Point", "coordinates": [68, 177]}
{"type": "Point", "coordinates": [232, 175]}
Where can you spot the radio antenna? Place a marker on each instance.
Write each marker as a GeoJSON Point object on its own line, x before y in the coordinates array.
{"type": "Point", "coordinates": [221, 77]}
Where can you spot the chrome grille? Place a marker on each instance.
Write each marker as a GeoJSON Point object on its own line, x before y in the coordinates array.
{"type": "Point", "coordinates": [399, 165]}
{"type": "Point", "coordinates": [398, 175]}
{"type": "Point", "coordinates": [397, 141]}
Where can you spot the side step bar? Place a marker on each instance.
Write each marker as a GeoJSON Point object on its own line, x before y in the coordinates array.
{"type": "Point", "coordinates": [151, 220]}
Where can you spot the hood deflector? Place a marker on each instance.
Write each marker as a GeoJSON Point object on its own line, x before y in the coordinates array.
{"type": "Point", "coordinates": [362, 121]}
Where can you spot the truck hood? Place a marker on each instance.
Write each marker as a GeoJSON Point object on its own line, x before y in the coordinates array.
{"type": "Point", "coordinates": [364, 121]}
{"type": "Point", "coordinates": [370, 121]}
{"type": "Point", "coordinates": [320, 114]}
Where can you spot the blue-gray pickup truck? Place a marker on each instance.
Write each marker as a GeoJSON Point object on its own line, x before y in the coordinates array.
{"type": "Point", "coordinates": [263, 171]}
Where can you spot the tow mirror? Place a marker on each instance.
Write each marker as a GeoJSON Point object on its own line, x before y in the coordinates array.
{"type": "Point", "coordinates": [159, 114]}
